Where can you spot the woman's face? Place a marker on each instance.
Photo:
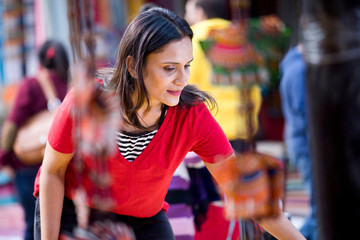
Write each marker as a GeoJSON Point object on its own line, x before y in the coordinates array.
{"type": "Point", "coordinates": [167, 71]}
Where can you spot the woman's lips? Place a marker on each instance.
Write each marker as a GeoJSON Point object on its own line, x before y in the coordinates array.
{"type": "Point", "coordinates": [174, 93]}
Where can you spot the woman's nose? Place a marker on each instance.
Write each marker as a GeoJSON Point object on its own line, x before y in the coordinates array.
{"type": "Point", "coordinates": [182, 78]}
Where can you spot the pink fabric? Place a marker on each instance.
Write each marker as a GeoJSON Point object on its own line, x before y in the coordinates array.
{"type": "Point", "coordinates": [12, 224]}
{"type": "Point", "coordinates": [39, 22]}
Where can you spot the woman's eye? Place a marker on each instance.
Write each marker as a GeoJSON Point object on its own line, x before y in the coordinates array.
{"type": "Point", "coordinates": [187, 66]}
{"type": "Point", "coordinates": [169, 69]}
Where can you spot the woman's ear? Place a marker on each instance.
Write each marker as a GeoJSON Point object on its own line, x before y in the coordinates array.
{"type": "Point", "coordinates": [130, 64]}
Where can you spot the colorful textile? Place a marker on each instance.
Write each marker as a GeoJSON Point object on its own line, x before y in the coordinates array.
{"type": "Point", "coordinates": [228, 97]}
{"type": "Point", "coordinates": [253, 185]}
{"type": "Point", "coordinates": [188, 198]}
{"type": "Point", "coordinates": [179, 197]}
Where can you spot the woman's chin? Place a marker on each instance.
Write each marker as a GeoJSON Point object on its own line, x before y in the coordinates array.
{"type": "Point", "coordinates": [172, 103]}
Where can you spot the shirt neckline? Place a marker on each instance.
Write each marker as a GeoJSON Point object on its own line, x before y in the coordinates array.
{"type": "Point", "coordinates": [152, 143]}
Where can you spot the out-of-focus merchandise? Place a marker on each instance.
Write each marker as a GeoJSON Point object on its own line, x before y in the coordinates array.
{"type": "Point", "coordinates": [253, 184]}
{"type": "Point", "coordinates": [270, 36]}
{"type": "Point", "coordinates": [245, 54]}
{"type": "Point", "coordinates": [234, 59]}
{"type": "Point", "coordinates": [241, 53]}
{"type": "Point", "coordinates": [12, 39]}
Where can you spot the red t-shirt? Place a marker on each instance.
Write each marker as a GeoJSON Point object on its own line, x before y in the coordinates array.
{"type": "Point", "coordinates": [139, 187]}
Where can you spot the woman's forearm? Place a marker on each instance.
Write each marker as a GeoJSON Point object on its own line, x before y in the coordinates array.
{"type": "Point", "coordinates": [52, 188]}
{"type": "Point", "coordinates": [281, 228]}
{"type": "Point", "coordinates": [51, 202]}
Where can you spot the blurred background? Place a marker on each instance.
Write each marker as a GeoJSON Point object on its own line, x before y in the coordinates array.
{"type": "Point", "coordinates": [26, 24]}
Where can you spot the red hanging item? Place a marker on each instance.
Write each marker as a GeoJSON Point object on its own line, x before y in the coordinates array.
{"type": "Point", "coordinates": [96, 116]}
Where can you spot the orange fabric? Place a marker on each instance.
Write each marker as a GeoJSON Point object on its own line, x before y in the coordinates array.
{"type": "Point", "coordinates": [9, 94]}
{"type": "Point", "coordinates": [253, 184]}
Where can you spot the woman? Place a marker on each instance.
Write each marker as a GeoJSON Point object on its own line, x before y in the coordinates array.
{"type": "Point", "coordinates": [31, 99]}
{"type": "Point", "coordinates": [151, 81]}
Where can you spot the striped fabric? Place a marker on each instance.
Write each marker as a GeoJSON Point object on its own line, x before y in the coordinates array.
{"type": "Point", "coordinates": [131, 145]}
{"type": "Point", "coordinates": [180, 199]}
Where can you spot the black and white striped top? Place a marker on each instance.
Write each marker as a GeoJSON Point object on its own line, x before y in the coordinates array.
{"type": "Point", "coordinates": [131, 145]}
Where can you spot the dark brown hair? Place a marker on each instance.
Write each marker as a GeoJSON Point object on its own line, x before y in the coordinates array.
{"type": "Point", "coordinates": [53, 56]}
{"type": "Point", "coordinates": [214, 8]}
{"type": "Point", "coordinates": [148, 32]}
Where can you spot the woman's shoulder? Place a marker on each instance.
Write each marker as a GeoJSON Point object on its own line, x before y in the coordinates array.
{"type": "Point", "coordinates": [191, 110]}
{"type": "Point", "coordinates": [29, 81]}
{"type": "Point", "coordinates": [28, 85]}
{"type": "Point", "coordinates": [194, 107]}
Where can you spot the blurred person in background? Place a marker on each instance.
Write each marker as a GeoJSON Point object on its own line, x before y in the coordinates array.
{"type": "Point", "coordinates": [30, 100]}
{"type": "Point", "coordinates": [147, 6]}
{"type": "Point", "coordinates": [294, 105]}
{"type": "Point", "coordinates": [204, 16]}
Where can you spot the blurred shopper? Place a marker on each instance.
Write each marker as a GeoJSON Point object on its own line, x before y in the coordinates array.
{"type": "Point", "coordinates": [294, 104]}
{"type": "Point", "coordinates": [30, 99]}
{"type": "Point", "coordinates": [204, 16]}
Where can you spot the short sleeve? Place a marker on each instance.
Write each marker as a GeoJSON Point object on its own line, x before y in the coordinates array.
{"type": "Point", "coordinates": [211, 143]}
{"type": "Point", "coordinates": [61, 131]}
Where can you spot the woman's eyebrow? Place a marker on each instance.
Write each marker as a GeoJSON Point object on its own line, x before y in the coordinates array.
{"type": "Point", "coordinates": [176, 62]}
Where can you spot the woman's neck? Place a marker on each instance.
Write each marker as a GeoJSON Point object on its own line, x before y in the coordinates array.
{"type": "Point", "coordinates": [148, 117]}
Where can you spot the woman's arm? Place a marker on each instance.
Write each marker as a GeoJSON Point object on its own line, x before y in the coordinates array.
{"type": "Point", "coordinates": [52, 188]}
{"type": "Point", "coordinates": [280, 227]}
